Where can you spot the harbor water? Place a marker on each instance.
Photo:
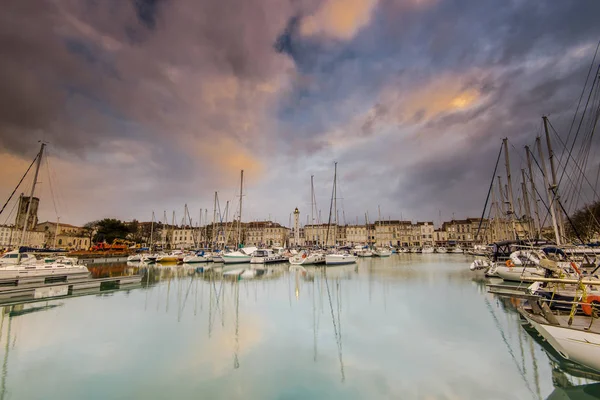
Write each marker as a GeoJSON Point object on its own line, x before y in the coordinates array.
{"type": "Point", "coordinates": [410, 326]}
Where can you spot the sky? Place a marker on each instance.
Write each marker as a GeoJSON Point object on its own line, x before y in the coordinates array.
{"type": "Point", "coordinates": [148, 105]}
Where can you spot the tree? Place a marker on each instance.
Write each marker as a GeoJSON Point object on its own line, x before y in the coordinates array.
{"type": "Point", "coordinates": [109, 229]}
{"type": "Point", "coordinates": [585, 223]}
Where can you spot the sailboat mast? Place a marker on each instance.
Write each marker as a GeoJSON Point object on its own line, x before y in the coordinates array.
{"type": "Point", "coordinates": [509, 191]}
{"type": "Point", "coordinates": [536, 208]}
{"type": "Point", "coordinates": [151, 230]}
{"type": "Point", "coordinates": [35, 176]}
{"type": "Point", "coordinates": [554, 183]}
{"type": "Point", "coordinates": [548, 190]}
{"type": "Point", "coordinates": [239, 238]}
{"type": "Point", "coordinates": [335, 204]}
{"type": "Point", "coordinates": [526, 203]}
{"type": "Point", "coordinates": [312, 203]}
{"type": "Point", "coordinates": [214, 218]}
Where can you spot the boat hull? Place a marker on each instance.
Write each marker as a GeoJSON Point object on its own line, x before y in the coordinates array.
{"type": "Point", "coordinates": [575, 345]}
{"type": "Point", "coordinates": [312, 259]}
{"type": "Point", "coordinates": [337, 259]}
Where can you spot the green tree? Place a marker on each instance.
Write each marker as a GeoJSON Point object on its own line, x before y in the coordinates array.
{"type": "Point", "coordinates": [109, 229]}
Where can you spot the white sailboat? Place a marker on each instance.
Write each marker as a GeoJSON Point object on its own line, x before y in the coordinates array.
{"type": "Point", "coordinates": [12, 258]}
{"type": "Point", "coordinates": [578, 341]}
{"type": "Point", "coordinates": [337, 258]}
{"type": "Point", "coordinates": [26, 264]}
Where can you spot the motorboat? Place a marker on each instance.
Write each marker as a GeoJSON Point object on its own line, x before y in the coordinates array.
{"type": "Point", "coordinates": [135, 258]}
{"type": "Point", "coordinates": [243, 255]}
{"type": "Point", "coordinates": [441, 250]}
{"type": "Point", "coordinates": [198, 257]}
{"type": "Point", "coordinates": [381, 252]}
{"type": "Point", "coordinates": [266, 256]}
{"type": "Point", "coordinates": [339, 259]}
{"type": "Point", "coordinates": [456, 250]}
{"type": "Point", "coordinates": [305, 258]}
{"type": "Point", "coordinates": [427, 249]}
{"type": "Point", "coordinates": [172, 257]}
{"type": "Point", "coordinates": [12, 258]}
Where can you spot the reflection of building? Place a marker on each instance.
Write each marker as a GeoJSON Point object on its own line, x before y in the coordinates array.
{"type": "Point", "coordinates": [22, 212]}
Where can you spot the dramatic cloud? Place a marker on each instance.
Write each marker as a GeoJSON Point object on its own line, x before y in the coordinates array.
{"type": "Point", "coordinates": [150, 104]}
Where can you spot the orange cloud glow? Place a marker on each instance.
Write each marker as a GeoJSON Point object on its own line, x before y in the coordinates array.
{"type": "Point", "coordinates": [339, 18]}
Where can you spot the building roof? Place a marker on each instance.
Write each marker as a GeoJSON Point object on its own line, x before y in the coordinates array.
{"type": "Point", "coordinates": [61, 225]}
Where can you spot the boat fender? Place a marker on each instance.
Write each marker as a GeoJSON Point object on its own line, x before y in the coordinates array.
{"type": "Point", "coordinates": [510, 263]}
{"type": "Point", "coordinates": [303, 255]}
{"type": "Point", "coordinates": [590, 302]}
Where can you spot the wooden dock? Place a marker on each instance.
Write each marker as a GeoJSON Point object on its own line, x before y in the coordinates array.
{"type": "Point", "coordinates": [36, 288]}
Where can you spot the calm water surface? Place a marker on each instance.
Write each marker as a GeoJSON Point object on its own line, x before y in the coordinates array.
{"type": "Point", "coordinates": [410, 326]}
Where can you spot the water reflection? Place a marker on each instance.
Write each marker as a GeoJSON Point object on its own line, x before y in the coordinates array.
{"type": "Point", "coordinates": [379, 329]}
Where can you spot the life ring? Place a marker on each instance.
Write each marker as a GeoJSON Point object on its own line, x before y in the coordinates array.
{"type": "Point", "coordinates": [510, 263]}
{"type": "Point", "coordinates": [574, 266]}
{"type": "Point", "coordinates": [587, 306]}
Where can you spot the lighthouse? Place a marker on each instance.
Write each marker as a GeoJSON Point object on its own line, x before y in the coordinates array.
{"type": "Point", "coordinates": [296, 230]}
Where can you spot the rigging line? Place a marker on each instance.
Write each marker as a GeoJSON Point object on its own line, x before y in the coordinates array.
{"type": "Point", "coordinates": [582, 93]}
{"type": "Point", "coordinates": [580, 123]}
{"type": "Point", "coordinates": [583, 177]}
{"type": "Point", "coordinates": [489, 191]}
{"type": "Point", "coordinates": [19, 184]}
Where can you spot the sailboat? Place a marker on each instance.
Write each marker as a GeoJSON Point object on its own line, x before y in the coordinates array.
{"type": "Point", "coordinates": [18, 263]}
{"type": "Point", "coordinates": [306, 257]}
{"type": "Point", "coordinates": [337, 257]}
{"type": "Point", "coordinates": [575, 338]}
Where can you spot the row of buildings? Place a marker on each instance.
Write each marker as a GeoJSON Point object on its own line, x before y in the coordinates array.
{"type": "Point", "coordinates": [395, 233]}
{"type": "Point", "coordinates": [40, 235]}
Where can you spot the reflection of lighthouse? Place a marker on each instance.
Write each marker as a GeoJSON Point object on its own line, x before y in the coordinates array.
{"type": "Point", "coordinates": [296, 230]}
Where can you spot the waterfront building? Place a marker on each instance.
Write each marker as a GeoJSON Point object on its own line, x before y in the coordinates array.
{"type": "Point", "coordinates": [10, 237]}
{"type": "Point", "coordinates": [440, 237]}
{"type": "Point", "coordinates": [64, 235]}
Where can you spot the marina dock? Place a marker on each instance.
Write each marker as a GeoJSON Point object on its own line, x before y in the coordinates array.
{"type": "Point", "coordinates": [35, 288]}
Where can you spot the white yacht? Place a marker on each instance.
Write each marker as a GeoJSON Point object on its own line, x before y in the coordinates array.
{"type": "Point", "coordinates": [441, 250]}
{"type": "Point", "coordinates": [198, 257]}
{"type": "Point", "coordinates": [456, 250]}
{"type": "Point", "coordinates": [12, 258]}
{"type": "Point", "coordinates": [62, 266]}
{"type": "Point", "coordinates": [427, 249]}
{"type": "Point", "coordinates": [381, 252]}
{"type": "Point", "coordinates": [304, 258]}
{"type": "Point", "coordinates": [243, 255]}
{"type": "Point", "coordinates": [266, 256]}
{"type": "Point", "coordinates": [339, 259]}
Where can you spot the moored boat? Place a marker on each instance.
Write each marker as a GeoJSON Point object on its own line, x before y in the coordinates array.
{"type": "Point", "coordinates": [339, 259]}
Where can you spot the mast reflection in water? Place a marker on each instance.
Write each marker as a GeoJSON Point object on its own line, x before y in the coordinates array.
{"type": "Point", "coordinates": [407, 326]}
